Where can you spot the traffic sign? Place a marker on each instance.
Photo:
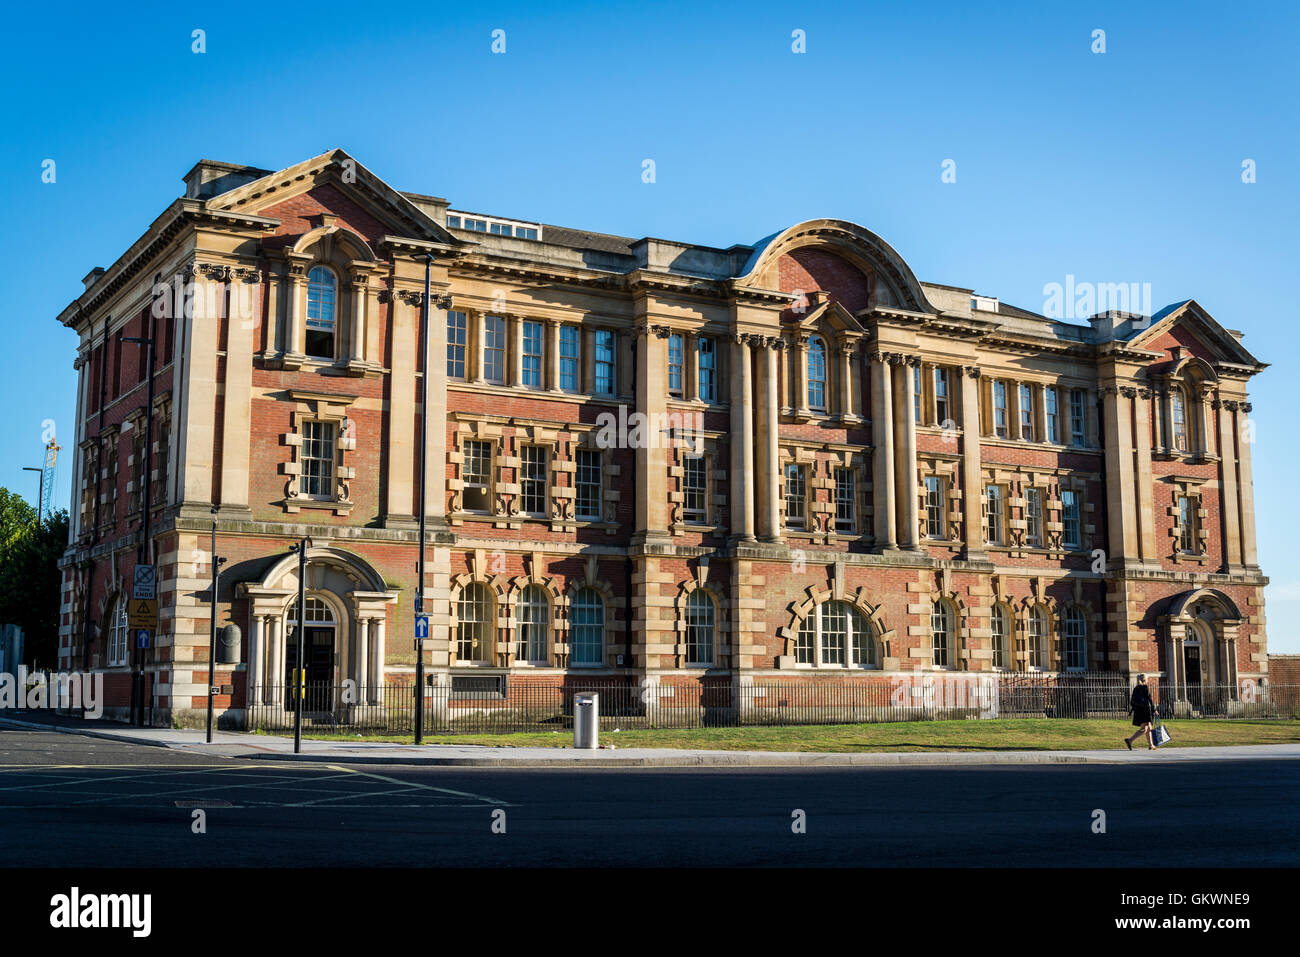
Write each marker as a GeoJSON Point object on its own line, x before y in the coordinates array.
{"type": "Point", "coordinates": [142, 638]}
{"type": "Point", "coordinates": [145, 582]}
{"type": "Point", "coordinates": [421, 627]}
{"type": "Point", "coordinates": [142, 613]}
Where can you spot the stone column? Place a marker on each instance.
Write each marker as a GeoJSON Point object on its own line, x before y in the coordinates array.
{"type": "Point", "coordinates": [799, 401]}
{"type": "Point", "coordinates": [741, 493]}
{"type": "Point", "coordinates": [399, 502]}
{"type": "Point", "coordinates": [1229, 503]}
{"type": "Point", "coordinates": [275, 655]}
{"type": "Point", "coordinates": [475, 348]}
{"type": "Point", "coordinates": [377, 668]}
{"type": "Point", "coordinates": [198, 430]}
{"type": "Point", "coordinates": [1120, 498]}
{"type": "Point", "coordinates": [846, 351]}
{"type": "Point", "coordinates": [651, 452]}
{"type": "Point", "coordinates": [255, 669]}
{"type": "Point", "coordinates": [237, 400]}
{"type": "Point", "coordinates": [1145, 481]}
{"type": "Point", "coordinates": [972, 478]}
{"type": "Point", "coordinates": [1246, 489]}
{"type": "Point", "coordinates": [905, 462]}
{"type": "Point", "coordinates": [1202, 419]}
{"type": "Point", "coordinates": [436, 363]}
{"type": "Point", "coordinates": [552, 380]}
{"type": "Point", "coordinates": [768, 466]}
{"type": "Point", "coordinates": [357, 328]}
{"type": "Point", "coordinates": [690, 366]}
{"type": "Point", "coordinates": [882, 454]}
{"type": "Point", "coordinates": [295, 306]}
{"type": "Point", "coordinates": [361, 662]}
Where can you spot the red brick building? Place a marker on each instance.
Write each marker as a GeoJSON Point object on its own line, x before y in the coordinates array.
{"type": "Point", "coordinates": [649, 461]}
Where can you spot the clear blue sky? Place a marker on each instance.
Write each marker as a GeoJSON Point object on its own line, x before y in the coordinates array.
{"type": "Point", "coordinates": [1122, 166]}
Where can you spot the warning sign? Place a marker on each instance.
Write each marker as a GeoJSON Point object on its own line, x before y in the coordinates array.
{"type": "Point", "coordinates": [142, 612]}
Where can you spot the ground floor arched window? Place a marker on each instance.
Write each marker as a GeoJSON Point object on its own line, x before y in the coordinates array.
{"type": "Point", "coordinates": [118, 636]}
{"type": "Point", "coordinates": [835, 634]}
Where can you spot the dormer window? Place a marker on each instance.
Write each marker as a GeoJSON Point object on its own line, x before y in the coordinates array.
{"type": "Point", "coordinates": [321, 297]}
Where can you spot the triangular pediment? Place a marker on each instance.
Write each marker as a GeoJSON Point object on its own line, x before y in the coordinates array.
{"type": "Point", "coordinates": [397, 214]}
{"type": "Point", "coordinates": [832, 315]}
{"type": "Point", "coordinates": [1220, 345]}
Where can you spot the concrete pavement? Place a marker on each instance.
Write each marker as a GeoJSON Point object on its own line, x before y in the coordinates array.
{"type": "Point", "coordinates": [238, 745]}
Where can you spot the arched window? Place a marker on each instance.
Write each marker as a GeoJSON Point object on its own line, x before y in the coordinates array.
{"type": "Point", "coordinates": [942, 621]}
{"type": "Point", "coordinates": [533, 614]}
{"type": "Point", "coordinates": [118, 636]}
{"type": "Point", "coordinates": [1036, 635]}
{"type": "Point", "coordinates": [475, 623]}
{"type": "Point", "coordinates": [700, 616]}
{"type": "Point", "coordinates": [1000, 623]}
{"type": "Point", "coordinates": [318, 612]}
{"type": "Point", "coordinates": [817, 374]}
{"type": "Point", "coordinates": [1178, 414]}
{"type": "Point", "coordinates": [321, 289]}
{"type": "Point", "coordinates": [835, 634]}
{"type": "Point", "coordinates": [587, 628]}
{"type": "Point", "coordinates": [1076, 640]}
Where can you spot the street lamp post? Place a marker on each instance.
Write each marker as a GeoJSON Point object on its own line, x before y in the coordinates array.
{"type": "Point", "coordinates": [424, 467]}
{"type": "Point", "coordinates": [40, 495]}
{"type": "Point", "coordinates": [212, 627]}
{"type": "Point", "coordinates": [301, 550]}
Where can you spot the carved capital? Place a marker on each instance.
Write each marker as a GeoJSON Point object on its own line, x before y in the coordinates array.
{"type": "Point", "coordinates": [971, 372]}
{"type": "Point", "coordinates": [1245, 407]}
{"type": "Point", "coordinates": [412, 297]}
{"type": "Point", "coordinates": [443, 302]}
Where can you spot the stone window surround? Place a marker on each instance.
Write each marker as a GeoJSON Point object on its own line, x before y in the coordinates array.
{"type": "Point", "coordinates": [319, 407]}
{"type": "Point", "coordinates": [1038, 388]}
{"type": "Point", "coordinates": [814, 598]}
{"type": "Point", "coordinates": [715, 478]}
{"type": "Point", "coordinates": [1188, 486]}
{"type": "Point", "coordinates": [1050, 481]}
{"type": "Point", "coordinates": [947, 468]}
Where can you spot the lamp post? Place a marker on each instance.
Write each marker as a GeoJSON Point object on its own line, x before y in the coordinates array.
{"type": "Point", "coordinates": [301, 550]}
{"type": "Point", "coordinates": [40, 495]}
{"type": "Point", "coordinates": [212, 626]}
{"type": "Point", "coordinates": [424, 468]}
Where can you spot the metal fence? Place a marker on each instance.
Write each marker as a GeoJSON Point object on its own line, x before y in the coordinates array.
{"type": "Point", "coordinates": [506, 704]}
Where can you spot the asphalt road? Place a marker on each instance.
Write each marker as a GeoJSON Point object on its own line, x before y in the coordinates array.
{"type": "Point", "coordinates": [71, 801]}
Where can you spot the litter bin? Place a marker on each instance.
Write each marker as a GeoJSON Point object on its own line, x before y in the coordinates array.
{"type": "Point", "coordinates": [586, 721]}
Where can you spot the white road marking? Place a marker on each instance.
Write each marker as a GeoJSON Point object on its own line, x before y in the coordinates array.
{"type": "Point", "coordinates": [428, 787]}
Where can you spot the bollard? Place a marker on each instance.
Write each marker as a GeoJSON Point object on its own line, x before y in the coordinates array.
{"type": "Point", "coordinates": [586, 721]}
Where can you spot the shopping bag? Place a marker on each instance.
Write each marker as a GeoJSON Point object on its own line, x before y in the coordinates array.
{"type": "Point", "coordinates": [1159, 735]}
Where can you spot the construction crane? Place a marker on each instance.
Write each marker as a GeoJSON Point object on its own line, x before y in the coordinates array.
{"type": "Point", "coordinates": [47, 479]}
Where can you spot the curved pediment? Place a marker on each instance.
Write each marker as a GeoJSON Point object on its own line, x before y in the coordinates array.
{"type": "Point", "coordinates": [887, 279]}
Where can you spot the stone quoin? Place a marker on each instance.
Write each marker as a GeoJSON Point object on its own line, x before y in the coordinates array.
{"type": "Point", "coordinates": [878, 476]}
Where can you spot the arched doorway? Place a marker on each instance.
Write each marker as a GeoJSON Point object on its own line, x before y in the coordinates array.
{"type": "Point", "coordinates": [1199, 635]}
{"type": "Point", "coordinates": [320, 652]}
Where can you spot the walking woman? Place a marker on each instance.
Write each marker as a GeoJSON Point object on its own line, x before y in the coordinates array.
{"type": "Point", "coordinates": [1143, 710]}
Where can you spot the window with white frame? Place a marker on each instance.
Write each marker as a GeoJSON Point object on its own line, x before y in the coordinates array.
{"type": "Point", "coordinates": [317, 456]}
{"type": "Point", "coordinates": [1072, 534]}
{"type": "Point", "coordinates": [1000, 625]}
{"type": "Point", "coordinates": [1076, 640]}
{"type": "Point", "coordinates": [588, 479]}
{"type": "Point", "coordinates": [1189, 541]}
{"type": "Point", "coordinates": [1027, 413]}
{"type": "Point", "coordinates": [570, 357]}
{"type": "Point", "coordinates": [533, 612]}
{"type": "Point", "coordinates": [1034, 517]}
{"type": "Point", "coordinates": [700, 617]}
{"type": "Point", "coordinates": [322, 289]}
{"type": "Point", "coordinates": [118, 635]}
{"type": "Point", "coordinates": [530, 364]}
{"type": "Point", "coordinates": [708, 360]}
{"type": "Point", "coordinates": [676, 361]}
{"type": "Point", "coordinates": [1000, 410]}
{"type": "Point", "coordinates": [835, 635]}
{"type": "Point", "coordinates": [494, 349]}
{"type": "Point", "coordinates": [816, 374]}
{"type": "Point", "coordinates": [475, 623]}
{"type": "Point", "coordinates": [604, 368]}
{"type": "Point", "coordinates": [457, 343]}
{"type": "Point", "coordinates": [1078, 419]}
{"type": "Point", "coordinates": [532, 480]}
{"type": "Point", "coordinates": [995, 514]}
{"type": "Point", "coordinates": [1178, 414]}
{"type": "Point", "coordinates": [943, 634]}
{"type": "Point", "coordinates": [587, 628]}
{"type": "Point", "coordinates": [934, 523]}
{"type": "Point", "coordinates": [1036, 637]}
{"type": "Point", "coordinates": [695, 488]}
{"type": "Point", "coordinates": [796, 492]}
{"type": "Point", "coordinates": [1052, 416]}
{"type": "Point", "coordinates": [942, 399]}
{"type": "Point", "coordinates": [476, 475]}
{"type": "Point", "coordinates": [846, 500]}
